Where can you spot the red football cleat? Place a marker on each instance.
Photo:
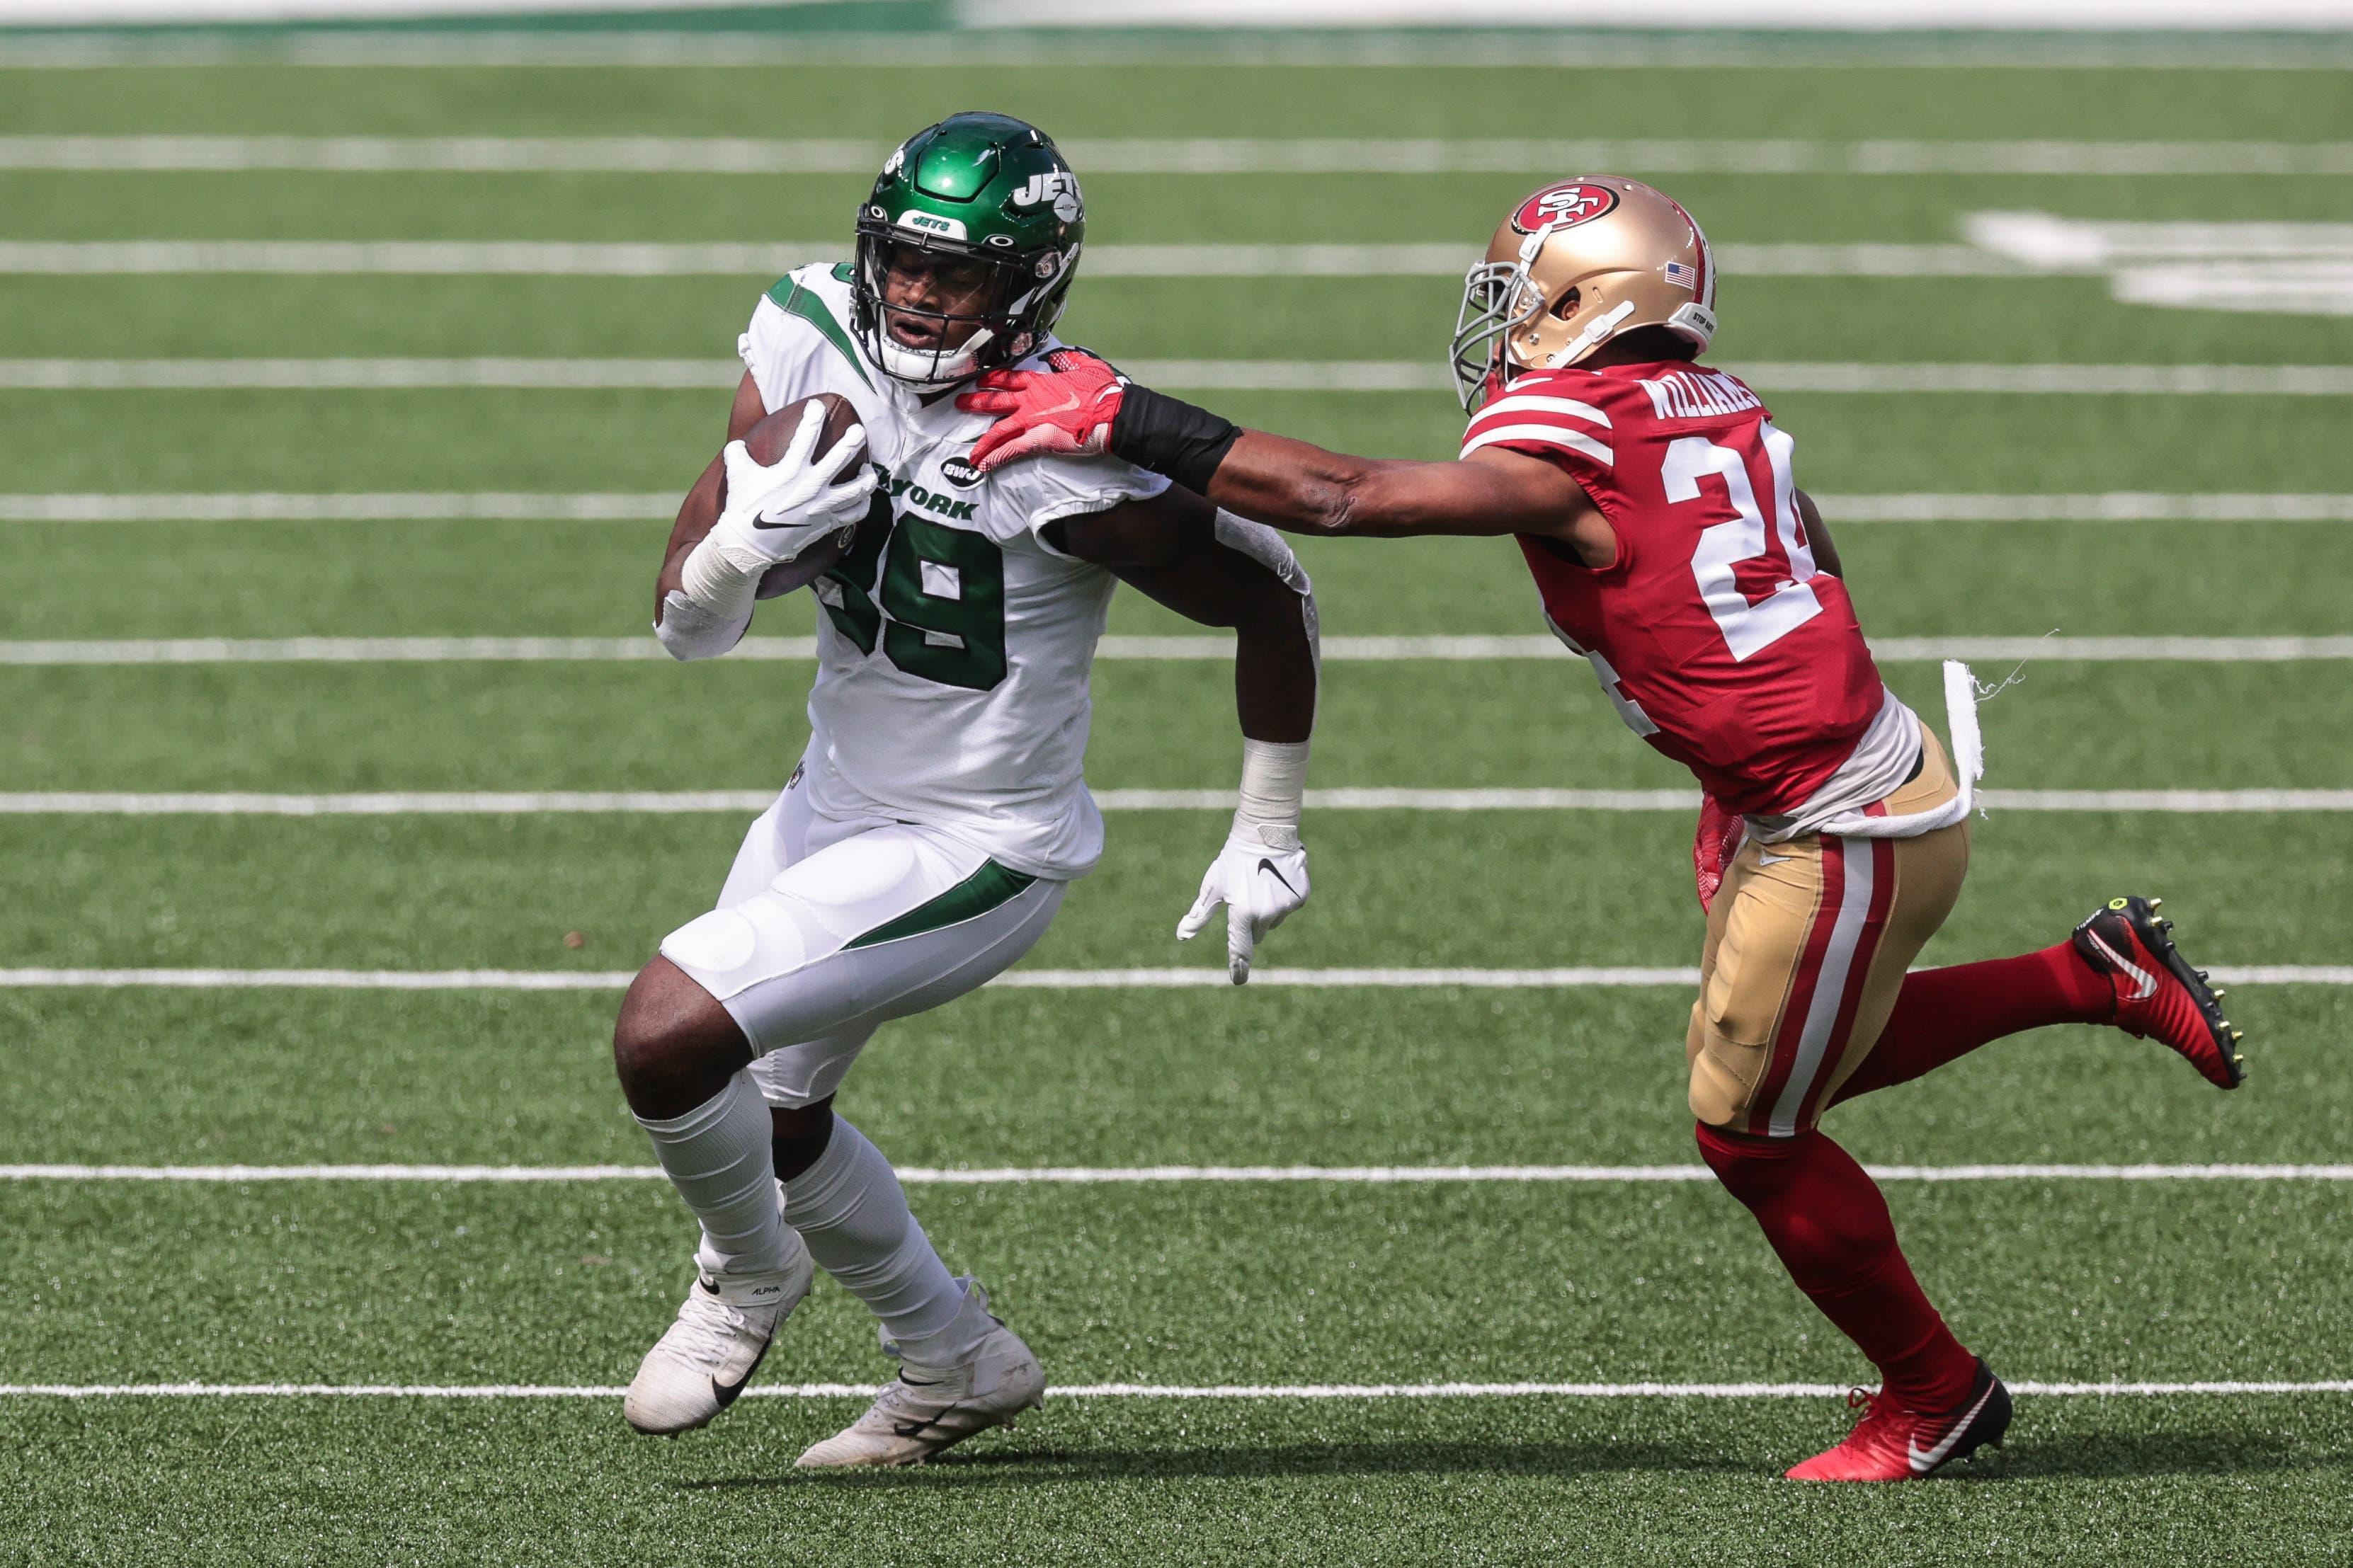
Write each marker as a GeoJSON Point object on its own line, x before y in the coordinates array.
{"type": "Point", "coordinates": [2158, 995]}
{"type": "Point", "coordinates": [1892, 1444]}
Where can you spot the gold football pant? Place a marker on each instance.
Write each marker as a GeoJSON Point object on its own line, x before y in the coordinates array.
{"type": "Point", "coordinates": [1807, 946]}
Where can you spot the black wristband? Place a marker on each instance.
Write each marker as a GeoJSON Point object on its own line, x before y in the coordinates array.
{"type": "Point", "coordinates": [1169, 436]}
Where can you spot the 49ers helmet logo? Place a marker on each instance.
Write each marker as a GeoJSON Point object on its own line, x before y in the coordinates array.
{"type": "Point", "coordinates": [1571, 202]}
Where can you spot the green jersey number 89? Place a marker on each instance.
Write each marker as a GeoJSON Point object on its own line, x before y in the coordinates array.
{"type": "Point", "coordinates": [942, 590]}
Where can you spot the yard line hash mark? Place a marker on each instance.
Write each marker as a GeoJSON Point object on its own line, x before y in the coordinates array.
{"type": "Point", "coordinates": [606, 506]}
{"type": "Point", "coordinates": [1179, 155]}
{"type": "Point", "coordinates": [1317, 1391]}
{"type": "Point", "coordinates": [651, 258]}
{"type": "Point", "coordinates": [1348, 649]}
{"type": "Point", "coordinates": [1012, 980]}
{"type": "Point", "coordinates": [514, 374]}
{"type": "Point", "coordinates": [669, 803]}
{"type": "Point", "coordinates": [1083, 1175]}
{"type": "Point", "coordinates": [657, 49]}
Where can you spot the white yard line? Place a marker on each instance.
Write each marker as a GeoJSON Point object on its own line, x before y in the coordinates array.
{"type": "Point", "coordinates": [1305, 1391]}
{"type": "Point", "coordinates": [1013, 980]}
{"type": "Point", "coordinates": [1347, 650]}
{"type": "Point", "coordinates": [378, 506]}
{"type": "Point", "coordinates": [656, 260]}
{"type": "Point", "coordinates": [601, 506]}
{"type": "Point", "coordinates": [1877, 47]}
{"type": "Point", "coordinates": [2069, 379]}
{"type": "Point", "coordinates": [1157, 1175]}
{"type": "Point", "coordinates": [1277, 375]}
{"type": "Point", "coordinates": [672, 802]}
{"type": "Point", "coordinates": [1180, 156]}
{"type": "Point", "coordinates": [2108, 506]}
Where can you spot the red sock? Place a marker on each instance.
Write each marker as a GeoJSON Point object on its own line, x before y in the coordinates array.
{"type": "Point", "coordinates": [1826, 1220]}
{"type": "Point", "coordinates": [1941, 1014]}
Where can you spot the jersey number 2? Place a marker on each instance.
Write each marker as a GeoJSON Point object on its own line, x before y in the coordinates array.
{"type": "Point", "coordinates": [1756, 582]}
{"type": "Point", "coordinates": [942, 615]}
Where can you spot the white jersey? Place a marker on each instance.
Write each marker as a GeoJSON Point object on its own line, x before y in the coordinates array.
{"type": "Point", "coordinates": [954, 645]}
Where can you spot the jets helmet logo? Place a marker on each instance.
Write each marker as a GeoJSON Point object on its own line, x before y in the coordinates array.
{"type": "Point", "coordinates": [1564, 205]}
{"type": "Point", "coordinates": [1058, 186]}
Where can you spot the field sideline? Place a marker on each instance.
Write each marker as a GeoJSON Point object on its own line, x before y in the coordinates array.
{"type": "Point", "coordinates": [349, 401]}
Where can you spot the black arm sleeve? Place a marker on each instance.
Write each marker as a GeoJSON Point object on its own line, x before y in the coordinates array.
{"type": "Point", "coordinates": [1171, 437]}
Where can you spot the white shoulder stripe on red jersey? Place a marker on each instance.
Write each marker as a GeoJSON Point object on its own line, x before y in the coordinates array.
{"type": "Point", "coordinates": [1548, 435]}
{"type": "Point", "coordinates": [1536, 402]}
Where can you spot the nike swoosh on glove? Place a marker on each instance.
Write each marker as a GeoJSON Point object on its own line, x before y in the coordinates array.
{"type": "Point", "coordinates": [775, 511]}
{"type": "Point", "coordinates": [1259, 877]}
{"type": "Point", "coordinates": [1065, 410]}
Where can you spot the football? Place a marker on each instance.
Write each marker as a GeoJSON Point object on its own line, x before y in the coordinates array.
{"type": "Point", "coordinates": [766, 441]}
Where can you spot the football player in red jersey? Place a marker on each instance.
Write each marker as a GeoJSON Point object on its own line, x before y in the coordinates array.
{"type": "Point", "coordinates": [1655, 502]}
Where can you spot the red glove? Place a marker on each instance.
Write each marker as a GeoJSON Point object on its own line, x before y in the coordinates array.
{"type": "Point", "coordinates": [1067, 408]}
{"type": "Point", "coordinates": [1713, 848]}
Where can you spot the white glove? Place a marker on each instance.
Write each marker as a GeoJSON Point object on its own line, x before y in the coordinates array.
{"type": "Point", "coordinates": [774, 512]}
{"type": "Point", "coordinates": [1260, 877]}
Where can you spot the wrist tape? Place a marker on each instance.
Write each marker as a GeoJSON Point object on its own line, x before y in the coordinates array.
{"type": "Point", "coordinates": [1273, 790]}
{"type": "Point", "coordinates": [720, 581]}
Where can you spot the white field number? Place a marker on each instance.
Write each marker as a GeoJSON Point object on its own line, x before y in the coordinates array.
{"type": "Point", "coordinates": [1749, 629]}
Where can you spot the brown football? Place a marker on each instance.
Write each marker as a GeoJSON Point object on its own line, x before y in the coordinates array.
{"type": "Point", "coordinates": [766, 441]}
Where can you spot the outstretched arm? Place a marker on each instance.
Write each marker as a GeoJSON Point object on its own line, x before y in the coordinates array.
{"type": "Point", "coordinates": [1308, 489]}
{"type": "Point", "coordinates": [1078, 404]}
{"type": "Point", "coordinates": [1221, 571]}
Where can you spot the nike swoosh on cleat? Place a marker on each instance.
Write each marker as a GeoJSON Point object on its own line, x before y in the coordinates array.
{"type": "Point", "coordinates": [1268, 867]}
{"type": "Point", "coordinates": [2141, 977]}
{"type": "Point", "coordinates": [727, 1396]}
{"type": "Point", "coordinates": [1925, 1460]}
{"type": "Point", "coordinates": [917, 1428]}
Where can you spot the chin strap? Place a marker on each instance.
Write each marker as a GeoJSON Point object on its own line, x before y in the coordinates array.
{"type": "Point", "coordinates": [1599, 327]}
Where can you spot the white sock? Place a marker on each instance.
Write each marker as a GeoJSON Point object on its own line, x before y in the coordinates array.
{"type": "Point", "coordinates": [849, 1208]}
{"type": "Point", "coordinates": [717, 1156]}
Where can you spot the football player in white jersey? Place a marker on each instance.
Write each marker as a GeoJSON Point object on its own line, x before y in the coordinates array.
{"type": "Point", "coordinates": [939, 813]}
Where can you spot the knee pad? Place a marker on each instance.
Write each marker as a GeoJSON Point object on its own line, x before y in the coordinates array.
{"type": "Point", "coordinates": [1724, 1076]}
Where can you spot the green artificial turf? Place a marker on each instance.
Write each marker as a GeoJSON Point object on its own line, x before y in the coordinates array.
{"type": "Point", "coordinates": [1503, 888]}
{"type": "Point", "coordinates": [408, 1282]}
{"type": "Point", "coordinates": [596, 579]}
{"type": "Point", "coordinates": [1259, 1077]}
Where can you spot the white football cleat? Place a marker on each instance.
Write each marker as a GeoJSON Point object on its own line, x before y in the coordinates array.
{"type": "Point", "coordinates": [927, 1408]}
{"type": "Point", "coordinates": [698, 1367]}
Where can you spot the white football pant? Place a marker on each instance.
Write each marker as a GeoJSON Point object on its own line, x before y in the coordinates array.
{"type": "Point", "coordinates": [826, 929]}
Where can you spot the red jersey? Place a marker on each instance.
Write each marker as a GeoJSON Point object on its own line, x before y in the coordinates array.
{"type": "Point", "coordinates": [1714, 632]}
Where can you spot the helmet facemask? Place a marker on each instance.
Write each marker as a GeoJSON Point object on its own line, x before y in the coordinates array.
{"type": "Point", "coordinates": [1006, 316]}
{"type": "Point", "coordinates": [1497, 298]}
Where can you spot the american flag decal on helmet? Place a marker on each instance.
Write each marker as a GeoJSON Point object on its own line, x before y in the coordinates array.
{"type": "Point", "coordinates": [1683, 276]}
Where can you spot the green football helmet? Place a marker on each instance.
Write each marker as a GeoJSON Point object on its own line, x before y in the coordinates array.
{"type": "Point", "coordinates": [983, 190]}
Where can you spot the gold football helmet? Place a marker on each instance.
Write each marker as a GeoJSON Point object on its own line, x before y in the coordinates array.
{"type": "Point", "coordinates": [1575, 265]}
